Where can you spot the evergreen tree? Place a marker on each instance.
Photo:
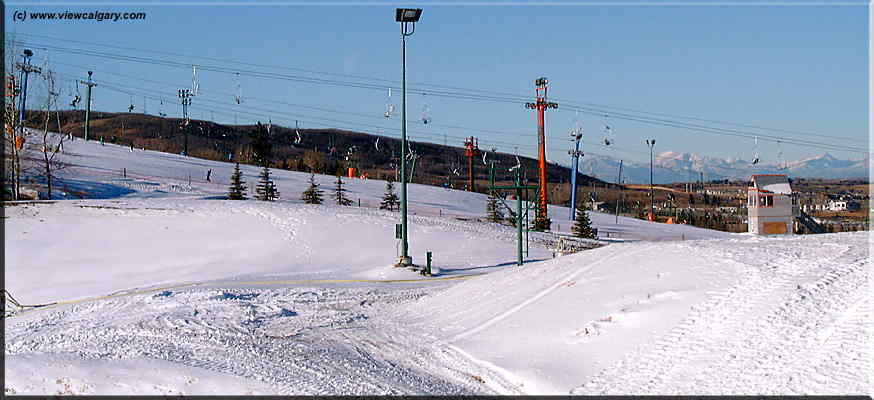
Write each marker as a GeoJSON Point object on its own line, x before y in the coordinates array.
{"type": "Point", "coordinates": [313, 195]}
{"type": "Point", "coordinates": [238, 187]}
{"type": "Point", "coordinates": [582, 225]}
{"type": "Point", "coordinates": [542, 223]}
{"type": "Point", "coordinates": [262, 146]}
{"type": "Point", "coordinates": [266, 190]}
{"type": "Point", "coordinates": [493, 208]}
{"type": "Point", "coordinates": [389, 199]}
{"type": "Point", "coordinates": [340, 193]}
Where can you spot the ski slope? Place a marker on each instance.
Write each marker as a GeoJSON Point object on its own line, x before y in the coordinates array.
{"type": "Point", "coordinates": [101, 170]}
{"type": "Point", "coordinates": [162, 289]}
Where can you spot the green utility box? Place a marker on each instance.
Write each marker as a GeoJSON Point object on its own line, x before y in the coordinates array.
{"type": "Point", "coordinates": [427, 270]}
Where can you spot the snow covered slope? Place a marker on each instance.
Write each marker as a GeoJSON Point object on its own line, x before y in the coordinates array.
{"type": "Point", "coordinates": [743, 316]}
{"type": "Point", "coordinates": [100, 169]}
{"type": "Point", "coordinates": [215, 296]}
{"type": "Point", "coordinates": [83, 248]}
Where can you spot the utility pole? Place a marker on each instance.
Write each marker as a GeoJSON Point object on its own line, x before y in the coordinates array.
{"type": "Point", "coordinates": [471, 150]}
{"type": "Point", "coordinates": [407, 18]}
{"type": "Point", "coordinates": [90, 84]}
{"type": "Point", "coordinates": [541, 221]}
{"type": "Point", "coordinates": [575, 162]}
{"type": "Point", "coordinates": [185, 96]}
{"type": "Point", "coordinates": [651, 143]}
{"type": "Point", "coordinates": [618, 197]}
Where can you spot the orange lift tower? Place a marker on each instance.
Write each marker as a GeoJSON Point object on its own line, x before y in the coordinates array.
{"type": "Point", "coordinates": [471, 150]}
{"type": "Point", "coordinates": [541, 220]}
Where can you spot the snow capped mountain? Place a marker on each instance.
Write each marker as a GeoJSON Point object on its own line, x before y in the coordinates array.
{"type": "Point", "coordinates": [671, 166]}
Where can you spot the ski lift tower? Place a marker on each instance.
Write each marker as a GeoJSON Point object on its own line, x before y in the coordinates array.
{"type": "Point", "coordinates": [185, 98]}
{"type": "Point", "coordinates": [88, 102]}
{"type": "Point", "coordinates": [541, 221]}
{"type": "Point", "coordinates": [471, 150]}
{"type": "Point", "coordinates": [521, 191]}
{"type": "Point", "coordinates": [575, 154]}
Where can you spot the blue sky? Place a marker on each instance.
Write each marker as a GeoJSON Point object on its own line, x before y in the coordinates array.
{"type": "Point", "coordinates": [798, 68]}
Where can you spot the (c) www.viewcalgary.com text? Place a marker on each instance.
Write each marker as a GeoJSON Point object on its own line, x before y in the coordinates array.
{"type": "Point", "coordinates": [20, 15]}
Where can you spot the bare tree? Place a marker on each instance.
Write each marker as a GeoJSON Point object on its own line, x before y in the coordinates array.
{"type": "Point", "coordinates": [52, 143]}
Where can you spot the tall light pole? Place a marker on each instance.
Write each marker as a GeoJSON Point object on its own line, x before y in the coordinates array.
{"type": "Point", "coordinates": [651, 143]}
{"type": "Point", "coordinates": [407, 18]}
{"type": "Point", "coordinates": [17, 141]}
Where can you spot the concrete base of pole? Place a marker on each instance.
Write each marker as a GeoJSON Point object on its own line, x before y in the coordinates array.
{"type": "Point", "coordinates": [404, 262]}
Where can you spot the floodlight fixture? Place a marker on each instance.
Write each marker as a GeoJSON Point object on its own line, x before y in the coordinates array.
{"type": "Point", "coordinates": [408, 14]}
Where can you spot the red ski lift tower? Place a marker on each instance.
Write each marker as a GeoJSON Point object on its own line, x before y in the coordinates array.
{"type": "Point", "coordinates": [471, 150]}
{"type": "Point", "coordinates": [541, 221]}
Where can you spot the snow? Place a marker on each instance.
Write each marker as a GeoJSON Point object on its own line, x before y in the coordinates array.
{"type": "Point", "coordinates": [741, 316]}
{"type": "Point", "coordinates": [68, 374]}
{"type": "Point", "coordinates": [163, 289]}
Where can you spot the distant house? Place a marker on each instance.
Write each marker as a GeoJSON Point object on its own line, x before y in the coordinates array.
{"type": "Point", "coordinates": [843, 205]}
{"type": "Point", "coordinates": [770, 205]}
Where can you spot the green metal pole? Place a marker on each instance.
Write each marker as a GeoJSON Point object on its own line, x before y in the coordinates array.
{"type": "Point", "coordinates": [405, 258]}
{"type": "Point", "coordinates": [519, 217]}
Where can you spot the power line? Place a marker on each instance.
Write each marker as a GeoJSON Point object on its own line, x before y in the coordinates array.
{"type": "Point", "coordinates": [492, 94]}
{"type": "Point", "coordinates": [353, 126]}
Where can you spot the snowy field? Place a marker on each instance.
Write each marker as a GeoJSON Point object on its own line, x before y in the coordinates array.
{"type": "Point", "coordinates": [155, 287]}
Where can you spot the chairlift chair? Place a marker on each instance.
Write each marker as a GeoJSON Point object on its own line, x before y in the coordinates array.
{"type": "Point", "coordinates": [389, 107]}
{"type": "Point", "coordinates": [297, 140]}
{"type": "Point", "coordinates": [238, 98]}
{"type": "Point", "coordinates": [426, 112]}
{"type": "Point", "coordinates": [608, 131]}
{"type": "Point", "coordinates": [756, 152]}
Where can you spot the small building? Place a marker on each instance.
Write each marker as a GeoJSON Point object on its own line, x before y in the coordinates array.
{"type": "Point", "coordinates": [843, 205]}
{"type": "Point", "coordinates": [770, 205]}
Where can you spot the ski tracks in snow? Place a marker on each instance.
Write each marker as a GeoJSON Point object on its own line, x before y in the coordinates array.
{"type": "Point", "coordinates": [300, 341]}
{"type": "Point", "coordinates": [774, 331]}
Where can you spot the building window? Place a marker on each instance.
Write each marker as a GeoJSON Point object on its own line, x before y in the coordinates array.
{"type": "Point", "coordinates": [766, 201]}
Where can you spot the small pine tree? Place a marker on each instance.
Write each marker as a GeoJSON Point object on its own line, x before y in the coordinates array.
{"type": "Point", "coordinates": [340, 193]}
{"type": "Point", "coordinates": [238, 187]}
{"type": "Point", "coordinates": [542, 223]}
{"type": "Point", "coordinates": [493, 208]}
{"type": "Point", "coordinates": [313, 195]}
{"type": "Point", "coordinates": [266, 190]}
{"type": "Point", "coordinates": [389, 199]}
{"type": "Point", "coordinates": [582, 225]}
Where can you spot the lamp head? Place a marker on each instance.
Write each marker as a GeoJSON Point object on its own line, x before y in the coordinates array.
{"type": "Point", "coordinates": [408, 14]}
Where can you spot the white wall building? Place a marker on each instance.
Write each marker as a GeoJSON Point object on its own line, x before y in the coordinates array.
{"type": "Point", "coordinates": [770, 205]}
{"type": "Point", "coordinates": [843, 205]}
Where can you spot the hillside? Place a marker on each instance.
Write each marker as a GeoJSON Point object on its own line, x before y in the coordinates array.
{"type": "Point", "coordinates": [321, 150]}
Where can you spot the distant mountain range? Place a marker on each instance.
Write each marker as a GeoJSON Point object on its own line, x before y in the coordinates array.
{"type": "Point", "coordinates": [680, 167]}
